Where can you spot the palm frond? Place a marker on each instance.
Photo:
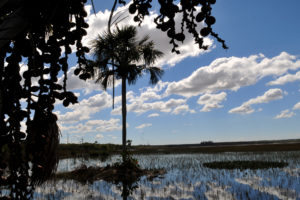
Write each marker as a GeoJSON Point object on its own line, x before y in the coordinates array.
{"type": "Point", "coordinates": [105, 78]}
{"type": "Point", "coordinates": [150, 55]}
{"type": "Point", "coordinates": [133, 73]}
{"type": "Point", "coordinates": [119, 17]}
{"type": "Point", "coordinates": [155, 74]}
{"type": "Point", "coordinates": [143, 40]}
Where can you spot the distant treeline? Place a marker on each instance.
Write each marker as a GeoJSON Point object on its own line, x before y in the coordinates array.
{"type": "Point", "coordinates": [205, 143]}
{"type": "Point", "coordinates": [87, 150]}
{"type": "Point", "coordinates": [105, 150]}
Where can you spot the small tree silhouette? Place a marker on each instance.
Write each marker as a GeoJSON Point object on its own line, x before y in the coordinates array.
{"type": "Point", "coordinates": [121, 55]}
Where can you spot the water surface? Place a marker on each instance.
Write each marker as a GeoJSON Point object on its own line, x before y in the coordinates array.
{"type": "Point", "coordinates": [186, 178]}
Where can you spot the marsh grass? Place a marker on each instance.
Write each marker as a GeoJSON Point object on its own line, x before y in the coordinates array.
{"type": "Point", "coordinates": [114, 174]}
{"type": "Point", "coordinates": [242, 165]}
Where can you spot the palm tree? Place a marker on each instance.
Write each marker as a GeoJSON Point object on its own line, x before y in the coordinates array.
{"type": "Point", "coordinates": [121, 55]}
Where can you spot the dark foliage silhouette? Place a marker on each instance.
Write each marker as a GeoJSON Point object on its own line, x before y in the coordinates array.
{"type": "Point", "coordinates": [34, 32]}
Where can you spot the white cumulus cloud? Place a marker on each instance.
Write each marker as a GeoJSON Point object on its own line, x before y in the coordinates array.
{"type": "Point", "coordinates": [296, 106]}
{"type": "Point", "coordinates": [182, 109]}
{"type": "Point", "coordinates": [93, 126]}
{"type": "Point", "coordinates": [143, 126]}
{"type": "Point", "coordinates": [211, 101]}
{"type": "Point", "coordinates": [270, 95]}
{"type": "Point", "coordinates": [243, 109]}
{"type": "Point", "coordinates": [99, 136]}
{"type": "Point", "coordinates": [232, 73]}
{"type": "Point", "coordinates": [285, 79]}
{"type": "Point", "coordinates": [153, 115]}
{"type": "Point", "coordinates": [285, 114]}
{"type": "Point", "coordinates": [85, 108]}
{"type": "Point", "coordinates": [88, 86]}
{"type": "Point", "coordinates": [140, 107]}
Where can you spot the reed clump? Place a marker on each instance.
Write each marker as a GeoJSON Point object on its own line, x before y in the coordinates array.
{"type": "Point", "coordinates": [243, 165]}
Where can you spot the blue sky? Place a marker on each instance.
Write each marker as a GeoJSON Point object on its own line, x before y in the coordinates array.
{"type": "Point", "coordinates": [249, 92]}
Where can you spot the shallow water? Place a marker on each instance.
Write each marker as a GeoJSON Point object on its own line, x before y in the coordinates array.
{"type": "Point", "coordinates": [186, 178]}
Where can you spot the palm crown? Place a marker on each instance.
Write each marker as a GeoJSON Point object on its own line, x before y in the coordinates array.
{"type": "Point", "coordinates": [121, 55]}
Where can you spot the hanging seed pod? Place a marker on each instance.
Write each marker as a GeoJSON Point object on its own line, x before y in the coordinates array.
{"type": "Point", "coordinates": [64, 67]}
{"type": "Point", "coordinates": [83, 76]}
{"type": "Point", "coordinates": [44, 89]}
{"type": "Point", "coordinates": [85, 49]}
{"type": "Point", "coordinates": [57, 87]}
{"type": "Point", "coordinates": [26, 75]}
{"type": "Point", "coordinates": [164, 27]}
{"type": "Point", "coordinates": [66, 103]}
{"type": "Point", "coordinates": [47, 58]}
{"type": "Point", "coordinates": [58, 95]}
{"type": "Point", "coordinates": [205, 31]}
{"type": "Point", "coordinates": [136, 19]}
{"type": "Point", "coordinates": [46, 71]}
{"type": "Point", "coordinates": [85, 25]}
{"type": "Point", "coordinates": [68, 49]}
{"type": "Point", "coordinates": [132, 8]}
{"type": "Point", "coordinates": [205, 9]}
{"type": "Point", "coordinates": [180, 37]}
{"type": "Point", "coordinates": [171, 33]}
{"type": "Point", "coordinates": [210, 20]}
{"type": "Point", "coordinates": [21, 135]}
{"type": "Point", "coordinates": [35, 88]}
{"type": "Point", "coordinates": [77, 71]}
{"type": "Point", "coordinates": [200, 17]}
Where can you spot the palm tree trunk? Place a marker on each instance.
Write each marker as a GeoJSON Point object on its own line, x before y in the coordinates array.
{"type": "Point", "coordinates": [124, 114]}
